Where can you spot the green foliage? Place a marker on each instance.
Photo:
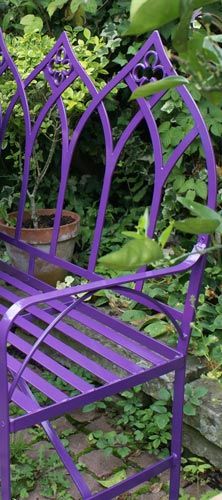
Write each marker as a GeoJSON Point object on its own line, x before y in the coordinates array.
{"type": "Point", "coordinates": [195, 470]}
{"type": "Point", "coordinates": [27, 471]}
{"type": "Point", "coordinates": [198, 48]}
{"type": "Point", "coordinates": [27, 51]}
{"type": "Point", "coordinates": [36, 16]}
{"type": "Point", "coordinates": [148, 426]}
{"type": "Point", "coordinates": [193, 398]}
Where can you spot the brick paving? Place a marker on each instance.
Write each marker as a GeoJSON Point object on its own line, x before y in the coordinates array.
{"type": "Point", "coordinates": [95, 465]}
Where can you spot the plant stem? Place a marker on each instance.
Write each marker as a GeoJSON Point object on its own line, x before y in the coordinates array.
{"type": "Point", "coordinates": [39, 177]}
{"type": "Point", "coordinates": [200, 252]}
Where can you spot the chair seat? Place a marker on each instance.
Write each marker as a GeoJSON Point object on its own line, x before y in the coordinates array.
{"type": "Point", "coordinates": [88, 352]}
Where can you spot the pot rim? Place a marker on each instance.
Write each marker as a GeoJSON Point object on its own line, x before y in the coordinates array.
{"type": "Point", "coordinates": [41, 211]}
{"type": "Point", "coordinates": [43, 235]}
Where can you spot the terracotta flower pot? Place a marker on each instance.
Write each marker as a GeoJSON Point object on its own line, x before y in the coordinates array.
{"type": "Point", "coordinates": [41, 239]}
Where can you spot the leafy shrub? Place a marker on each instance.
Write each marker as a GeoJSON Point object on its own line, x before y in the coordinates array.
{"type": "Point", "coordinates": [27, 51]}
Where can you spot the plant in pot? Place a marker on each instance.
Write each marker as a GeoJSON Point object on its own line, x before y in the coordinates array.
{"type": "Point", "coordinates": [27, 51]}
{"type": "Point", "coordinates": [37, 227]}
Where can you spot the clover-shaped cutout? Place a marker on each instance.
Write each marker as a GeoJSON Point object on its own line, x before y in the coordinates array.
{"type": "Point", "coordinates": [149, 69]}
{"type": "Point", "coordinates": [60, 66]}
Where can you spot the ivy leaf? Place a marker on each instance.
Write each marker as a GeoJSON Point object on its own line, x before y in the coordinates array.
{"type": "Point", "coordinates": [156, 329]}
{"type": "Point", "coordinates": [116, 478]}
{"type": "Point", "coordinates": [153, 87]}
{"type": "Point", "coordinates": [147, 15]}
{"type": "Point", "coordinates": [134, 316]}
{"type": "Point", "coordinates": [194, 225]}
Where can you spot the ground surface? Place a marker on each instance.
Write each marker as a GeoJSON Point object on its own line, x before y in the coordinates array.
{"type": "Point", "coordinates": [96, 466]}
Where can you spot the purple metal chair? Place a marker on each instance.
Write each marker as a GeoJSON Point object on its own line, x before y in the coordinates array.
{"type": "Point", "coordinates": [18, 377]}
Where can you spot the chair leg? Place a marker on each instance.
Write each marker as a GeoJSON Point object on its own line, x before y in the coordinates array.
{"type": "Point", "coordinates": [4, 440]}
{"type": "Point", "coordinates": [4, 429]}
{"type": "Point", "coordinates": [5, 463]}
{"type": "Point", "coordinates": [177, 426]}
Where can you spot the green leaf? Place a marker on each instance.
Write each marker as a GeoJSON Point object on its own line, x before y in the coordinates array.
{"type": "Point", "coordinates": [212, 49]}
{"type": "Point", "coordinates": [134, 316]}
{"type": "Point", "coordinates": [162, 420]}
{"type": "Point", "coordinates": [132, 255]}
{"type": "Point", "coordinates": [147, 15]}
{"type": "Point", "coordinates": [123, 452]}
{"type": "Point", "coordinates": [153, 87]}
{"type": "Point", "coordinates": [163, 238]}
{"type": "Point", "coordinates": [52, 7]}
{"type": "Point", "coordinates": [164, 394]}
{"type": "Point", "coordinates": [199, 210]}
{"type": "Point", "coordinates": [31, 23]}
{"type": "Point", "coordinates": [181, 34]}
{"type": "Point", "coordinates": [116, 478]}
{"type": "Point", "coordinates": [143, 223]}
{"type": "Point", "coordinates": [156, 329]}
{"type": "Point", "coordinates": [159, 408]}
{"type": "Point", "coordinates": [25, 20]}
{"type": "Point", "coordinates": [133, 234]}
{"type": "Point", "coordinates": [200, 392]}
{"type": "Point", "coordinates": [189, 409]}
{"type": "Point", "coordinates": [90, 6]}
{"type": "Point", "coordinates": [194, 225]}
{"type": "Point", "coordinates": [218, 322]}
{"type": "Point", "coordinates": [74, 5]}
{"type": "Point", "coordinates": [213, 96]}
{"type": "Point", "coordinates": [201, 189]}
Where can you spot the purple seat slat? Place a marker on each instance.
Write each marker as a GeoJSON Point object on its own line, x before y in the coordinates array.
{"type": "Point", "coordinates": [23, 401]}
{"type": "Point", "coordinates": [106, 331]}
{"type": "Point", "coordinates": [68, 352]}
{"type": "Point", "coordinates": [153, 345]}
{"type": "Point", "coordinates": [51, 365]}
{"type": "Point", "coordinates": [80, 337]}
{"type": "Point", "coordinates": [132, 344]}
{"type": "Point", "coordinates": [38, 382]}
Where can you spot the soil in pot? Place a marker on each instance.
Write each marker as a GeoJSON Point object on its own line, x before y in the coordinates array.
{"type": "Point", "coordinates": [45, 221]}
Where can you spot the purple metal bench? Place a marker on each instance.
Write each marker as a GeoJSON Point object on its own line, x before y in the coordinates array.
{"type": "Point", "coordinates": [18, 377]}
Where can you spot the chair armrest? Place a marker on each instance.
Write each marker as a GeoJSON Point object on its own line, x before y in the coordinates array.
{"type": "Point", "coordinates": [89, 288]}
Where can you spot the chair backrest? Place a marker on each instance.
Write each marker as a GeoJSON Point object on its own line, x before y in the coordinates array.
{"type": "Point", "coordinates": [61, 68]}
